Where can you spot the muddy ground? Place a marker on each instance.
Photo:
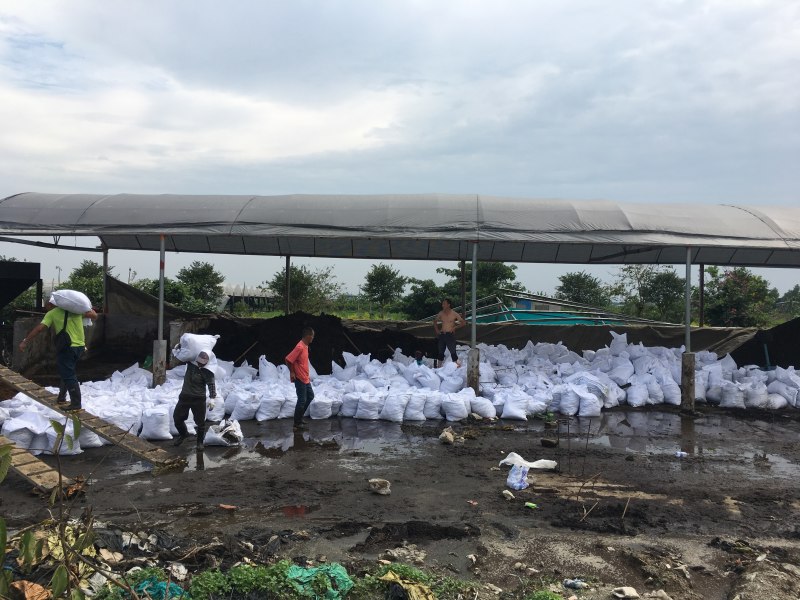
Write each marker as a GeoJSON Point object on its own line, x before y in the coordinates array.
{"type": "Point", "coordinates": [621, 509]}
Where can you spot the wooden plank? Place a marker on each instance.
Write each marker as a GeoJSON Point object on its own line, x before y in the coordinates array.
{"type": "Point", "coordinates": [35, 471]}
{"type": "Point", "coordinates": [143, 449]}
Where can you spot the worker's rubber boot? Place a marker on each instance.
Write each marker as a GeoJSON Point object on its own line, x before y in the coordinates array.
{"type": "Point", "coordinates": [74, 397]}
{"type": "Point", "coordinates": [62, 394]}
{"type": "Point", "coordinates": [201, 436]}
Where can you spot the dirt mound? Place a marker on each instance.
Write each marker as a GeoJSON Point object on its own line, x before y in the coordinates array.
{"type": "Point", "coordinates": [780, 343]}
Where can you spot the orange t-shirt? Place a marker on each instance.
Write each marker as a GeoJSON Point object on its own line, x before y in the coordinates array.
{"type": "Point", "coordinates": [299, 360]}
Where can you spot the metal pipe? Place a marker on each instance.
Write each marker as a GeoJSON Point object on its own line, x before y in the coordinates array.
{"type": "Point", "coordinates": [105, 277]}
{"type": "Point", "coordinates": [161, 289]}
{"type": "Point", "coordinates": [702, 295]}
{"type": "Point", "coordinates": [474, 335]}
{"type": "Point", "coordinates": [288, 281]}
{"type": "Point", "coordinates": [688, 316]}
{"type": "Point", "coordinates": [463, 266]}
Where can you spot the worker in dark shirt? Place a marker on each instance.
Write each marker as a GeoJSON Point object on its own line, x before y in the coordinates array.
{"type": "Point", "coordinates": [193, 397]}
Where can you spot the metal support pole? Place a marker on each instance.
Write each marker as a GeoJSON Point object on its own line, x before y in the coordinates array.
{"type": "Point", "coordinates": [160, 344]}
{"type": "Point", "coordinates": [473, 362]}
{"type": "Point", "coordinates": [162, 257]}
{"type": "Point", "coordinates": [702, 295]}
{"type": "Point", "coordinates": [688, 359]}
{"type": "Point", "coordinates": [39, 292]}
{"type": "Point", "coordinates": [463, 266]}
{"type": "Point", "coordinates": [105, 277]}
{"type": "Point", "coordinates": [688, 316]}
{"type": "Point", "coordinates": [473, 338]}
{"type": "Point", "coordinates": [288, 281]}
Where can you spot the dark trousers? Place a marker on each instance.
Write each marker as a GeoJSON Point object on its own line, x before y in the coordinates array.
{"type": "Point", "coordinates": [447, 341]}
{"type": "Point", "coordinates": [67, 364]}
{"type": "Point", "coordinates": [305, 394]}
{"type": "Point", "coordinates": [197, 404]}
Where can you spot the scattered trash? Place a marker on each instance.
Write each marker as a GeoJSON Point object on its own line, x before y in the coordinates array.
{"type": "Point", "coordinates": [518, 476]}
{"type": "Point", "coordinates": [227, 507]}
{"type": "Point", "coordinates": [159, 590]}
{"type": "Point", "coordinates": [408, 589]}
{"type": "Point", "coordinates": [508, 495]}
{"type": "Point", "coordinates": [380, 486]}
{"type": "Point", "coordinates": [625, 592]}
{"type": "Point", "coordinates": [407, 553]}
{"type": "Point", "coordinates": [28, 591]}
{"type": "Point", "coordinates": [110, 557]}
{"type": "Point", "coordinates": [660, 594]}
{"type": "Point", "coordinates": [307, 580]}
{"type": "Point", "coordinates": [531, 505]}
{"type": "Point", "coordinates": [683, 570]}
{"type": "Point", "coordinates": [575, 584]}
{"type": "Point", "coordinates": [448, 436]}
{"type": "Point", "coordinates": [472, 558]}
{"type": "Point", "coordinates": [681, 454]}
{"type": "Point", "coordinates": [494, 589]}
{"type": "Point", "coordinates": [178, 571]}
{"type": "Point", "coordinates": [472, 502]}
{"type": "Point", "coordinates": [761, 557]}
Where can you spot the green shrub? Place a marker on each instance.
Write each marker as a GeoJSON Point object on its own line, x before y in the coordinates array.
{"type": "Point", "coordinates": [207, 584]}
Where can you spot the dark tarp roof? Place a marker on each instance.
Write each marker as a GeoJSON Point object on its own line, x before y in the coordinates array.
{"type": "Point", "coordinates": [418, 226]}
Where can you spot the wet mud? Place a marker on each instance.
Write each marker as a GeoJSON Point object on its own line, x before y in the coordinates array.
{"type": "Point", "coordinates": [621, 504]}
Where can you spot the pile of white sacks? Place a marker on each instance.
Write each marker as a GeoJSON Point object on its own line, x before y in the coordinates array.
{"type": "Point", "coordinates": [515, 384]}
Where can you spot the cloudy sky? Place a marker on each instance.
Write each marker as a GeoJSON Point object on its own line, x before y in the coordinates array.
{"type": "Point", "coordinates": [656, 101]}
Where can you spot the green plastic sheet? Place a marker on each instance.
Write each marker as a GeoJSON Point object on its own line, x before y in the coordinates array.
{"type": "Point", "coordinates": [339, 583]}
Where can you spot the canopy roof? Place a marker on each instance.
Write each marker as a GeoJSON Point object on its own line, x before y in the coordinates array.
{"type": "Point", "coordinates": [418, 226]}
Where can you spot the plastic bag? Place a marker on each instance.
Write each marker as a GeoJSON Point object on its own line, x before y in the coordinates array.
{"type": "Point", "coordinates": [518, 476]}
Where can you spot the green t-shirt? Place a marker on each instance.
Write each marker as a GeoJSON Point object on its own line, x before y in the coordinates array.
{"type": "Point", "coordinates": [54, 319]}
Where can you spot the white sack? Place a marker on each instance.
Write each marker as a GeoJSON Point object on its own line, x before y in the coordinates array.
{"type": "Point", "coordinates": [155, 424]}
{"type": "Point", "coordinates": [415, 408]}
{"type": "Point", "coordinates": [483, 408]}
{"type": "Point", "coordinates": [395, 407]}
{"type": "Point", "coordinates": [71, 301]}
{"type": "Point", "coordinates": [192, 344]}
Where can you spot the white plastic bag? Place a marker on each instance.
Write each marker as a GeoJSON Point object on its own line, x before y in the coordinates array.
{"type": "Point", "coordinates": [518, 476]}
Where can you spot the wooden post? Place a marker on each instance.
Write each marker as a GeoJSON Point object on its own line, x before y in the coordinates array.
{"type": "Point", "coordinates": [687, 381]}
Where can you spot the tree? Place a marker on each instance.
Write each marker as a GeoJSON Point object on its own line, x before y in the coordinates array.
{"type": "Point", "coordinates": [738, 298]}
{"type": "Point", "coordinates": [490, 277]}
{"type": "Point", "coordinates": [423, 300]}
{"type": "Point", "coordinates": [583, 288]}
{"type": "Point", "coordinates": [87, 278]}
{"type": "Point", "coordinates": [789, 303]}
{"type": "Point", "coordinates": [310, 291]}
{"type": "Point", "coordinates": [383, 286]}
{"type": "Point", "coordinates": [650, 291]}
{"type": "Point", "coordinates": [204, 284]}
{"type": "Point", "coordinates": [664, 295]}
{"type": "Point", "coordinates": [174, 291]}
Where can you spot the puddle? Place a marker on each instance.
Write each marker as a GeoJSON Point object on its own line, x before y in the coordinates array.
{"type": "Point", "coordinates": [717, 441]}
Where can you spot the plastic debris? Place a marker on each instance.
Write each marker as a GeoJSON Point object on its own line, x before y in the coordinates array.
{"type": "Point", "coordinates": [159, 590]}
{"type": "Point", "coordinates": [575, 584]}
{"type": "Point", "coordinates": [625, 592]}
{"type": "Point", "coordinates": [508, 495]}
{"type": "Point", "coordinates": [412, 590]}
{"type": "Point", "coordinates": [380, 486]}
{"type": "Point", "coordinates": [305, 580]}
{"type": "Point", "coordinates": [531, 505]}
